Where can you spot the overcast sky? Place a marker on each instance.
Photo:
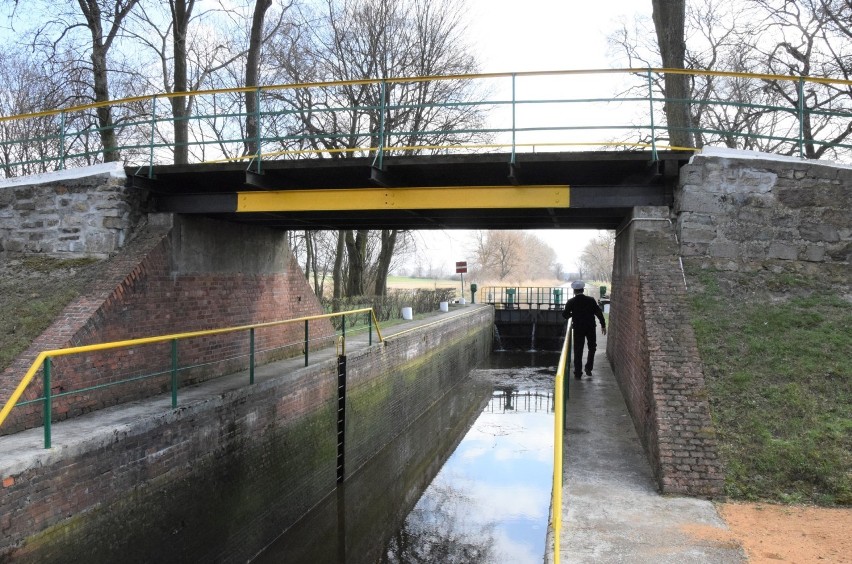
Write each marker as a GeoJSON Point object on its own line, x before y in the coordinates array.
{"type": "Point", "coordinates": [513, 36]}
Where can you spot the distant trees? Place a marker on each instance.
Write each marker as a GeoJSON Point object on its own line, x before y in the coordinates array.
{"type": "Point", "coordinates": [512, 256]}
{"type": "Point", "coordinates": [597, 257]}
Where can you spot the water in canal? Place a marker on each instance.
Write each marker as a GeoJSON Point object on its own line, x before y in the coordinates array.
{"type": "Point", "coordinates": [468, 481]}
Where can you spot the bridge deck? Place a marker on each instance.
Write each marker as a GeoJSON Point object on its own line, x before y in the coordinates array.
{"type": "Point", "coordinates": [602, 187]}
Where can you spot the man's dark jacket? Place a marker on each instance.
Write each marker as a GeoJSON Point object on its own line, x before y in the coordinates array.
{"type": "Point", "coordinates": [583, 309]}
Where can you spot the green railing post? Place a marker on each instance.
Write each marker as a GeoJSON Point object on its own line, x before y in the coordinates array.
{"type": "Point", "coordinates": [801, 111]}
{"type": "Point", "coordinates": [174, 372]}
{"type": "Point", "coordinates": [153, 131]}
{"type": "Point", "coordinates": [370, 327]}
{"type": "Point", "coordinates": [651, 103]}
{"type": "Point", "coordinates": [251, 355]}
{"type": "Point", "coordinates": [48, 414]}
{"type": "Point", "coordinates": [61, 140]}
{"type": "Point", "coordinates": [513, 119]}
{"type": "Point", "coordinates": [380, 150]}
{"type": "Point", "coordinates": [307, 341]}
{"type": "Point", "coordinates": [343, 329]}
{"type": "Point", "coordinates": [257, 124]}
{"type": "Point", "coordinates": [565, 380]}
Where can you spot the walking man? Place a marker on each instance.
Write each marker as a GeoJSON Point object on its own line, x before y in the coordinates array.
{"type": "Point", "coordinates": [583, 309]}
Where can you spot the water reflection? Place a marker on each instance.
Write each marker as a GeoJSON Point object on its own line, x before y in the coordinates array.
{"type": "Point", "coordinates": [490, 501]}
{"type": "Point", "coordinates": [468, 482]}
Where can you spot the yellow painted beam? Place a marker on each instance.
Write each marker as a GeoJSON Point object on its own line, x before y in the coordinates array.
{"type": "Point", "coordinates": [423, 198]}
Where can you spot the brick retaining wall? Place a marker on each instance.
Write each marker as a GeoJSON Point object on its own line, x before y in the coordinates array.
{"type": "Point", "coordinates": [655, 358]}
{"type": "Point", "coordinates": [229, 472]}
{"type": "Point", "coordinates": [151, 288]}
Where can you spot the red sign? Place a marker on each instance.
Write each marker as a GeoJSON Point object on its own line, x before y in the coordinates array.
{"type": "Point", "coordinates": [461, 267]}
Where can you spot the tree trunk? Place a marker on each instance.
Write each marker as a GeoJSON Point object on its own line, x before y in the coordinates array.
{"type": "Point", "coordinates": [669, 21]}
{"type": "Point", "coordinates": [356, 252]}
{"type": "Point", "coordinates": [252, 71]}
{"type": "Point", "coordinates": [385, 256]}
{"type": "Point", "coordinates": [337, 275]}
{"type": "Point", "coordinates": [104, 113]}
{"type": "Point", "coordinates": [181, 12]}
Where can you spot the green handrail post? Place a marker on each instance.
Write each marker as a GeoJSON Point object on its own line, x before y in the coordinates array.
{"type": "Point", "coordinates": [174, 372]}
{"type": "Point", "coordinates": [307, 340]}
{"type": "Point", "coordinates": [257, 124]}
{"type": "Point", "coordinates": [369, 315]}
{"type": "Point", "coordinates": [251, 355]}
{"type": "Point", "coordinates": [651, 103]}
{"type": "Point", "coordinates": [801, 111]}
{"type": "Point", "coordinates": [61, 140]}
{"type": "Point", "coordinates": [153, 130]}
{"type": "Point", "coordinates": [380, 150]}
{"type": "Point", "coordinates": [513, 118]}
{"type": "Point", "coordinates": [343, 329]}
{"type": "Point", "coordinates": [48, 414]}
{"type": "Point", "coordinates": [567, 368]}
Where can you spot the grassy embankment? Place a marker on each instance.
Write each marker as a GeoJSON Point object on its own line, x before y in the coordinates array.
{"type": "Point", "coordinates": [778, 361]}
{"type": "Point", "coordinates": [33, 291]}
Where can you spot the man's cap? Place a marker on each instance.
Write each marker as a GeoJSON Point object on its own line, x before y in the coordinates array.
{"type": "Point", "coordinates": [578, 284]}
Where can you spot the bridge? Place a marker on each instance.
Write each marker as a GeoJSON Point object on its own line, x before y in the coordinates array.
{"type": "Point", "coordinates": [188, 237]}
{"type": "Point", "coordinates": [537, 150]}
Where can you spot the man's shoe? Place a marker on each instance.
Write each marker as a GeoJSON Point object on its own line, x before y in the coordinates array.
{"type": "Point", "coordinates": [589, 373]}
{"type": "Point", "coordinates": [578, 376]}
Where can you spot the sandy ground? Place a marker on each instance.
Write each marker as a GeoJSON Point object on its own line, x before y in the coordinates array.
{"type": "Point", "coordinates": [782, 533]}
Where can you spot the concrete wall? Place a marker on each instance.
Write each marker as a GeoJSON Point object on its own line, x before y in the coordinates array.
{"type": "Point", "coordinates": [655, 358]}
{"type": "Point", "coordinates": [218, 479]}
{"type": "Point", "coordinates": [178, 275]}
{"type": "Point", "coordinates": [85, 212]}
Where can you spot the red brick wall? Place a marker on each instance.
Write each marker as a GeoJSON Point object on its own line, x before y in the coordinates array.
{"type": "Point", "coordinates": [655, 358]}
{"type": "Point", "coordinates": [144, 294]}
{"type": "Point", "coordinates": [219, 478]}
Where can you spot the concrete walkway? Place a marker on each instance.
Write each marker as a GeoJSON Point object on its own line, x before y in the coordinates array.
{"type": "Point", "coordinates": [611, 511]}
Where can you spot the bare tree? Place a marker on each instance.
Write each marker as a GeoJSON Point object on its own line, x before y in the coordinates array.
{"type": "Point", "coordinates": [252, 72]}
{"type": "Point", "coordinates": [597, 257]}
{"type": "Point", "coordinates": [359, 39]}
{"type": "Point", "coordinates": [796, 38]}
{"type": "Point", "coordinates": [669, 21]}
{"type": "Point", "coordinates": [512, 254]}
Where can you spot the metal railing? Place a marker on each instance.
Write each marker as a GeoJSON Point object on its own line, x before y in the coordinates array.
{"type": "Point", "coordinates": [508, 112]}
{"type": "Point", "coordinates": [523, 297]}
{"type": "Point", "coordinates": [44, 359]}
{"type": "Point", "coordinates": [560, 393]}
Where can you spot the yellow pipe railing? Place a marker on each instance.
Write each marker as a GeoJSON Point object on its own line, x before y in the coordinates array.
{"type": "Point", "coordinates": [42, 356]}
{"type": "Point", "coordinates": [140, 134]}
{"type": "Point", "coordinates": [400, 80]}
{"type": "Point", "coordinates": [560, 398]}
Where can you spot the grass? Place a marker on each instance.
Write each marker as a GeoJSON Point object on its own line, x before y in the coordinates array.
{"type": "Point", "coordinates": [779, 375]}
{"type": "Point", "coordinates": [33, 291]}
{"type": "Point", "coordinates": [409, 283]}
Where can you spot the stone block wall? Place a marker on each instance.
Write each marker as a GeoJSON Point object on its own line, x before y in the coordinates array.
{"type": "Point", "coordinates": [748, 214]}
{"type": "Point", "coordinates": [86, 212]}
{"type": "Point", "coordinates": [655, 358]}
{"type": "Point", "coordinates": [177, 276]}
{"type": "Point", "coordinates": [218, 479]}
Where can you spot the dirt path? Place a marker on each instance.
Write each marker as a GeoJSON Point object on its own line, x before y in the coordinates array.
{"type": "Point", "coordinates": [782, 533]}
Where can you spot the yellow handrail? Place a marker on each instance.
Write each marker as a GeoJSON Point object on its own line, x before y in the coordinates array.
{"type": "Point", "coordinates": [25, 381]}
{"type": "Point", "coordinates": [558, 426]}
{"type": "Point", "coordinates": [400, 80]}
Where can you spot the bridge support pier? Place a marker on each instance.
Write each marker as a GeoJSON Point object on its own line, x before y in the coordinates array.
{"type": "Point", "coordinates": [654, 355]}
